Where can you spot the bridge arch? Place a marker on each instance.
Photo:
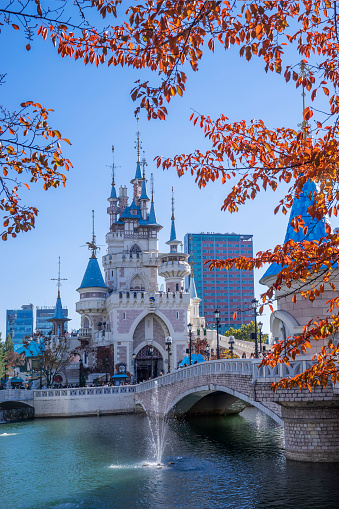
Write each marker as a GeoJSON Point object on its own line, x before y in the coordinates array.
{"type": "Point", "coordinates": [211, 399]}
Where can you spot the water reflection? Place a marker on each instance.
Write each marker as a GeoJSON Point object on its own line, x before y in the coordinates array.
{"type": "Point", "coordinates": [225, 462]}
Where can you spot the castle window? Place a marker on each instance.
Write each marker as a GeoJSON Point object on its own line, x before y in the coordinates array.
{"type": "Point", "coordinates": [124, 315]}
{"type": "Point", "coordinates": [135, 250]}
{"type": "Point", "coordinates": [177, 315]}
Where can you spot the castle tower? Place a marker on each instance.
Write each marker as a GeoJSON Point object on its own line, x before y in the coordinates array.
{"type": "Point", "coordinates": [290, 318]}
{"type": "Point", "coordinates": [92, 291]}
{"type": "Point", "coordinates": [174, 267]}
{"type": "Point", "coordinates": [58, 321]}
{"type": "Point", "coordinates": [113, 208]}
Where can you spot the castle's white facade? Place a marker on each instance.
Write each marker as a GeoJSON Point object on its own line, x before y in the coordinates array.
{"type": "Point", "coordinates": [124, 318]}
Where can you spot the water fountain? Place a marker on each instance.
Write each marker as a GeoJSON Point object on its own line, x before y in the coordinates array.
{"type": "Point", "coordinates": [158, 427]}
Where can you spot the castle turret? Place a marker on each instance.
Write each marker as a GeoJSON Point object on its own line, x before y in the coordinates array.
{"type": "Point", "coordinates": [58, 321]}
{"type": "Point", "coordinates": [113, 208]}
{"type": "Point", "coordinates": [174, 267]}
{"type": "Point", "coordinates": [93, 291]}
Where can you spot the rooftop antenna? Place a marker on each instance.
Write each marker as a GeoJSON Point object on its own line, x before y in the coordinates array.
{"type": "Point", "coordinates": [192, 262]}
{"type": "Point", "coordinates": [144, 163]}
{"type": "Point", "coordinates": [92, 245]}
{"type": "Point", "coordinates": [172, 218]}
{"type": "Point", "coordinates": [152, 186]}
{"type": "Point", "coordinates": [58, 279]}
{"type": "Point", "coordinates": [113, 167]}
{"type": "Point", "coordinates": [138, 143]}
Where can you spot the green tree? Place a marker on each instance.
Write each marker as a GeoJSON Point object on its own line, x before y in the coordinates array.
{"type": "Point", "coordinates": [9, 346]}
{"type": "Point", "coordinates": [244, 333]}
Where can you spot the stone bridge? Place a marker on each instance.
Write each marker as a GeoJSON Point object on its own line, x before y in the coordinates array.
{"type": "Point", "coordinates": [310, 419]}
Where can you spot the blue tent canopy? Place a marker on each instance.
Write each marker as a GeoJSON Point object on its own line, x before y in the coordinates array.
{"type": "Point", "coordinates": [120, 375]}
{"type": "Point", "coordinates": [195, 358]}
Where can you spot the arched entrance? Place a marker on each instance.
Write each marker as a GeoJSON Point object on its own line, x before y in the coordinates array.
{"type": "Point", "coordinates": [148, 364]}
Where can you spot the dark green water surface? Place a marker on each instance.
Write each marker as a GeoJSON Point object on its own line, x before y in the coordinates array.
{"type": "Point", "coordinates": [98, 462]}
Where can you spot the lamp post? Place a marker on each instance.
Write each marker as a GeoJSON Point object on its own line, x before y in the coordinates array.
{"type": "Point", "coordinates": [231, 343]}
{"type": "Point", "coordinates": [168, 343]}
{"type": "Point", "coordinates": [151, 348]}
{"type": "Point", "coordinates": [106, 359]}
{"type": "Point", "coordinates": [260, 326]}
{"type": "Point", "coordinates": [40, 365]}
{"type": "Point", "coordinates": [254, 306]}
{"type": "Point", "coordinates": [80, 372]}
{"type": "Point", "coordinates": [190, 327]}
{"type": "Point", "coordinates": [207, 351]}
{"type": "Point", "coordinates": [135, 367]}
{"type": "Point", "coordinates": [217, 323]}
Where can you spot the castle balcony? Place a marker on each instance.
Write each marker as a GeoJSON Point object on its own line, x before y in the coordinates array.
{"type": "Point", "coordinates": [117, 259]}
{"type": "Point", "coordinates": [174, 269]}
{"type": "Point", "coordinates": [85, 333]}
{"type": "Point", "coordinates": [90, 305]}
{"type": "Point", "coordinates": [103, 338]}
{"type": "Point", "coordinates": [140, 298]}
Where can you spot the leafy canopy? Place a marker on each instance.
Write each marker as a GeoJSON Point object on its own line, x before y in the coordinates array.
{"type": "Point", "coordinates": [167, 35]}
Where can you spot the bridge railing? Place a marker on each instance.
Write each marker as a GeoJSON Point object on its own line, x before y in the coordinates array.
{"type": "Point", "coordinates": [83, 391]}
{"type": "Point", "coordinates": [15, 395]}
{"type": "Point", "coordinates": [231, 367]}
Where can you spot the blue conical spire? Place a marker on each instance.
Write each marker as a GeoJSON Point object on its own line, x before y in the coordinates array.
{"type": "Point", "coordinates": [58, 312]}
{"type": "Point", "coordinates": [143, 195]}
{"type": "Point", "coordinates": [316, 228]}
{"type": "Point", "coordinates": [193, 290]}
{"type": "Point", "coordinates": [173, 235]}
{"type": "Point", "coordinates": [93, 277]}
{"type": "Point", "coordinates": [113, 192]}
{"type": "Point", "coordinates": [152, 218]}
{"type": "Point", "coordinates": [138, 171]}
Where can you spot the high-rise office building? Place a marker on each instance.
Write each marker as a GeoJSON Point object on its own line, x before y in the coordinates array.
{"type": "Point", "coordinates": [19, 323]}
{"type": "Point", "coordinates": [228, 291]}
{"type": "Point", "coordinates": [43, 314]}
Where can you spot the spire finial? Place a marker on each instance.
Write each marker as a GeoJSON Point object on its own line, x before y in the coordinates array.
{"type": "Point", "coordinates": [58, 279]}
{"type": "Point", "coordinates": [303, 70]}
{"type": "Point", "coordinates": [172, 218]}
{"type": "Point", "coordinates": [92, 245]}
{"type": "Point", "coordinates": [113, 167]}
{"type": "Point", "coordinates": [152, 187]}
{"type": "Point", "coordinates": [192, 262]}
{"type": "Point", "coordinates": [144, 163]}
{"type": "Point", "coordinates": [138, 143]}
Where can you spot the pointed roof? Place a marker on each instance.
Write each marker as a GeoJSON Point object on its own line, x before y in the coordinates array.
{"type": "Point", "coordinates": [93, 277]}
{"type": "Point", "coordinates": [316, 228]}
{"type": "Point", "coordinates": [193, 290]}
{"type": "Point", "coordinates": [113, 192]}
{"type": "Point", "coordinates": [173, 231]}
{"type": "Point", "coordinates": [143, 195]}
{"type": "Point", "coordinates": [58, 312]}
{"type": "Point", "coordinates": [152, 218]}
{"type": "Point", "coordinates": [138, 172]}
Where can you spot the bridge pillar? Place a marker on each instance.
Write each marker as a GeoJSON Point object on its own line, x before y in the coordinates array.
{"type": "Point", "coordinates": [311, 432]}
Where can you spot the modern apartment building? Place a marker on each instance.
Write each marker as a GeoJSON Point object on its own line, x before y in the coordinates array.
{"type": "Point", "coordinates": [45, 313]}
{"type": "Point", "coordinates": [19, 323]}
{"type": "Point", "coordinates": [228, 291]}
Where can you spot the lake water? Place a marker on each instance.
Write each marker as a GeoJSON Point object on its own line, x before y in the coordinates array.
{"type": "Point", "coordinates": [98, 462]}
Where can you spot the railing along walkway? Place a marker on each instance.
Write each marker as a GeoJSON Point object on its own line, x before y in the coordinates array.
{"type": "Point", "coordinates": [248, 367]}
{"type": "Point", "coordinates": [83, 391]}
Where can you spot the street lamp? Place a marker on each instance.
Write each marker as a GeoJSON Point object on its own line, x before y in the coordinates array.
{"type": "Point", "coordinates": [231, 343]}
{"type": "Point", "coordinates": [135, 367]}
{"type": "Point", "coordinates": [254, 306]}
{"type": "Point", "coordinates": [190, 327]}
{"type": "Point", "coordinates": [217, 322]}
{"type": "Point", "coordinates": [106, 359]}
{"type": "Point", "coordinates": [168, 343]}
{"type": "Point", "coordinates": [151, 348]}
{"type": "Point", "coordinates": [260, 326]}
{"type": "Point", "coordinates": [207, 351]}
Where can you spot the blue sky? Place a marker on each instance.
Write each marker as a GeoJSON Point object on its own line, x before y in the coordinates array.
{"type": "Point", "coordinates": [94, 110]}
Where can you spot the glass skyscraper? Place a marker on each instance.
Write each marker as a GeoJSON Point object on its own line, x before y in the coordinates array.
{"type": "Point", "coordinates": [43, 314]}
{"type": "Point", "coordinates": [19, 323]}
{"type": "Point", "coordinates": [228, 291]}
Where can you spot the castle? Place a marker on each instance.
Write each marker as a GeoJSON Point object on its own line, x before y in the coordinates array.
{"type": "Point", "coordinates": [126, 322]}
